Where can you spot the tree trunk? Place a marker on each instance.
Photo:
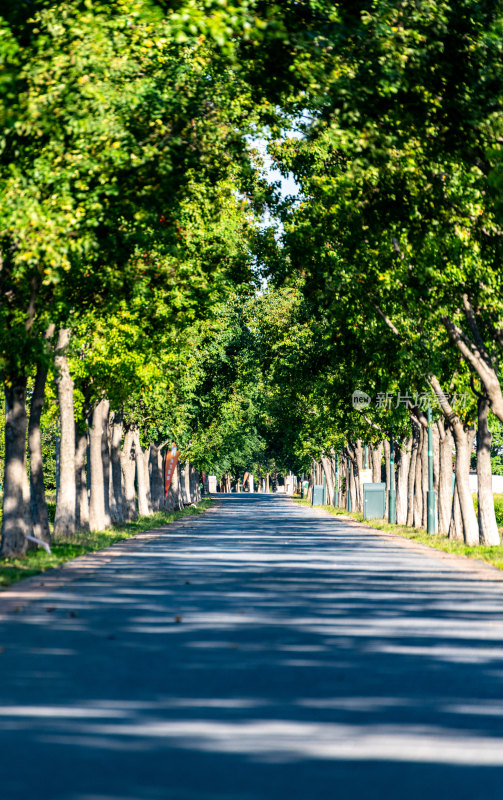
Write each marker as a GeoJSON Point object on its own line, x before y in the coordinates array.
{"type": "Point", "coordinates": [436, 465]}
{"type": "Point", "coordinates": [38, 504]}
{"type": "Point", "coordinates": [176, 488]}
{"type": "Point", "coordinates": [195, 487]}
{"type": "Point", "coordinates": [376, 459]}
{"type": "Point", "coordinates": [117, 511]}
{"type": "Point", "coordinates": [142, 482]}
{"type": "Point", "coordinates": [359, 466]}
{"type": "Point", "coordinates": [14, 520]}
{"type": "Point", "coordinates": [464, 441]}
{"type": "Point", "coordinates": [386, 447]}
{"type": "Point", "coordinates": [327, 469]}
{"type": "Point", "coordinates": [353, 487]}
{"type": "Point", "coordinates": [418, 482]}
{"type": "Point", "coordinates": [343, 480]}
{"type": "Point", "coordinates": [463, 438]}
{"type": "Point", "coordinates": [424, 475]}
{"type": "Point", "coordinates": [97, 515]}
{"type": "Point", "coordinates": [404, 454]}
{"type": "Point", "coordinates": [475, 353]}
{"type": "Point", "coordinates": [186, 483]}
{"type": "Point", "coordinates": [82, 499]}
{"type": "Point", "coordinates": [444, 478]}
{"type": "Point", "coordinates": [128, 468]}
{"type": "Point", "coordinates": [456, 523]}
{"type": "Point", "coordinates": [267, 482]}
{"type": "Point", "coordinates": [156, 479]}
{"type": "Point", "coordinates": [411, 481]}
{"type": "Point", "coordinates": [105, 457]}
{"type": "Point", "coordinates": [64, 523]}
{"type": "Point", "coordinates": [488, 527]}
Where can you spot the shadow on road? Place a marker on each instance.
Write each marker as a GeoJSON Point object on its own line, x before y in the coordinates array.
{"type": "Point", "coordinates": [257, 652]}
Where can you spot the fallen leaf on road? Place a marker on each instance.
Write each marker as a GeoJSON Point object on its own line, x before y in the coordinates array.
{"type": "Point", "coordinates": [178, 618]}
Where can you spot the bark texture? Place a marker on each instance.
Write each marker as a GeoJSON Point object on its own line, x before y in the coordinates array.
{"type": "Point", "coordinates": [128, 468]}
{"type": "Point", "coordinates": [142, 479]}
{"type": "Point", "coordinates": [464, 441]}
{"type": "Point", "coordinates": [38, 504]}
{"type": "Point", "coordinates": [176, 488]}
{"type": "Point", "coordinates": [328, 470]}
{"type": "Point", "coordinates": [155, 475]}
{"type": "Point", "coordinates": [463, 438]}
{"type": "Point", "coordinates": [186, 483]}
{"type": "Point", "coordinates": [445, 477]}
{"type": "Point", "coordinates": [386, 447]}
{"type": "Point", "coordinates": [418, 482]}
{"type": "Point", "coordinates": [489, 534]}
{"type": "Point", "coordinates": [411, 481]}
{"type": "Point", "coordinates": [105, 458]}
{"type": "Point", "coordinates": [376, 459]}
{"type": "Point", "coordinates": [403, 464]}
{"type": "Point", "coordinates": [64, 523]}
{"type": "Point", "coordinates": [424, 476]}
{"type": "Point", "coordinates": [14, 520]}
{"type": "Point", "coordinates": [456, 523]}
{"type": "Point", "coordinates": [476, 354]}
{"type": "Point", "coordinates": [195, 485]}
{"type": "Point", "coordinates": [82, 499]}
{"type": "Point", "coordinates": [97, 516]}
{"type": "Point", "coordinates": [117, 511]}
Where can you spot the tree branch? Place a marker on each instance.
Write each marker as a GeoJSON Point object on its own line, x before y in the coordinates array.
{"type": "Point", "coordinates": [446, 407]}
{"type": "Point", "coordinates": [472, 322]}
{"type": "Point", "coordinates": [418, 415]}
{"type": "Point", "coordinates": [388, 322]}
{"type": "Point", "coordinates": [467, 349]}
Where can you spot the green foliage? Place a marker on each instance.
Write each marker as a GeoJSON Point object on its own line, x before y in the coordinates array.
{"type": "Point", "coordinates": [496, 448]}
{"type": "Point", "coordinates": [120, 161]}
{"type": "Point", "coordinates": [2, 440]}
{"type": "Point", "coordinates": [398, 216]}
{"type": "Point", "coordinates": [49, 435]}
{"type": "Point", "coordinates": [132, 201]}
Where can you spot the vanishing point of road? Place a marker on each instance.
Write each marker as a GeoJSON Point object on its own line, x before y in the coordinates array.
{"type": "Point", "coordinates": [260, 651]}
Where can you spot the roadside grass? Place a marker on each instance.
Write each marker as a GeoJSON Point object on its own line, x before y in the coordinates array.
{"type": "Point", "coordinates": [490, 555]}
{"type": "Point", "coordinates": [37, 561]}
{"type": "Point", "coordinates": [498, 508]}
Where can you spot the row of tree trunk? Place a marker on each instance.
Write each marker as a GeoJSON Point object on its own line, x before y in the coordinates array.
{"type": "Point", "coordinates": [228, 481]}
{"type": "Point", "coordinates": [105, 476]}
{"type": "Point", "coordinates": [452, 447]}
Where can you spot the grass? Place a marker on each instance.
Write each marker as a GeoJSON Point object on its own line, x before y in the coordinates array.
{"type": "Point", "coordinates": [490, 555]}
{"type": "Point", "coordinates": [498, 507]}
{"type": "Point", "coordinates": [37, 561]}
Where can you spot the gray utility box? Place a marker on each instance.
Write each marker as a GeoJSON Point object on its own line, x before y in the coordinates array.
{"type": "Point", "coordinates": [318, 494]}
{"type": "Point", "coordinates": [374, 499]}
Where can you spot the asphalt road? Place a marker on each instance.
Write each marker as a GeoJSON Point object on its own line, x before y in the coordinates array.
{"type": "Point", "coordinates": [262, 651]}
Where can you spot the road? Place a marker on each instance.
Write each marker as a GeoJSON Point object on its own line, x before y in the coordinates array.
{"type": "Point", "coordinates": [261, 651]}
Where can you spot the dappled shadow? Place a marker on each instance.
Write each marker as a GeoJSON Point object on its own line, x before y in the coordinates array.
{"type": "Point", "coordinates": [261, 651]}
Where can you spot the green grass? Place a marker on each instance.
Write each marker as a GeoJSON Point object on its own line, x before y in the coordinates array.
{"type": "Point", "coordinates": [490, 555]}
{"type": "Point", "coordinates": [498, 507]}
{"type": "Point", "coordinates": [37, 561]}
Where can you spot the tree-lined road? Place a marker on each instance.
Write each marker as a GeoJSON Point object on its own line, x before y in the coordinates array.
{"type": "Point", "coordinates": [261, 651]}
